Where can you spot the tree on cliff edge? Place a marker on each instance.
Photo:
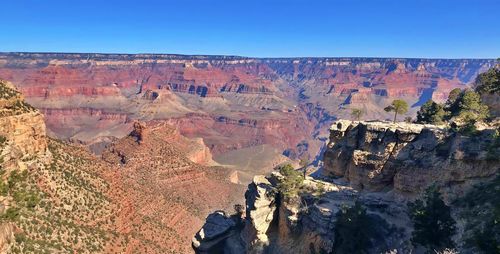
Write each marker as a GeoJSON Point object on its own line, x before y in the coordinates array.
{"type": "Point", "coordinates": [489, 82]}
{"type": "Point", "coordinates": [398, 106]}
{"type": "Point", "coordinates": [291, 182]}
{"type": "Point", "coordinates": [431, 112]}
{"type": "Point", "coordinates": [356, 113]}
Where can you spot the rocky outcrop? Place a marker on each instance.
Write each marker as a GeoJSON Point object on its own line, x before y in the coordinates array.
{"type": "Point", "coordinates": [407, 157]}
{"type": "Point", "coordinates": [360, 151]}
{"type": "Point", "coordinates": [381, 166]}
{"type": "Point", "coordinates": [219, 234]}
{"type": "Point", "coordinates": [307, 224]}
{"type": "Point", "coordinates": [261, 208]}
{"type": "Point", "coordinates": [20, 123]}
{"type": "Point", "coordinates": [27, 131]}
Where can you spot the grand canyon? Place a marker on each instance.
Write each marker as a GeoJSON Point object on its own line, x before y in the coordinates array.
{"type": "Point", "coordinates": [129, 153]}
{"type": "Point", "coordinates": [238, 106]}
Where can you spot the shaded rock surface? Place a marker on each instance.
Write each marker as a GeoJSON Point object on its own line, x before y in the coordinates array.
{"type": "Point", "coordinates": [407, 158]}
{"type": "Point", "coordinates": [382, 166]}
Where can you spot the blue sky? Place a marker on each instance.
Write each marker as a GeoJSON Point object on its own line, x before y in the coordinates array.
{"type": "Point", "coordinates": [259, 28]}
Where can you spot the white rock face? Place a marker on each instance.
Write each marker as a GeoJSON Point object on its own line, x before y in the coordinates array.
{"type": "Point", "coordinates": [260, 212]}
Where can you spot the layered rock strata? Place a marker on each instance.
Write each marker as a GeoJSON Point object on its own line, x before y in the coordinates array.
{"type": "Point", "coordinates": [382, 166]}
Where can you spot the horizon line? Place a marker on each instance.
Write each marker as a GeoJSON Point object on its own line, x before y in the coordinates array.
{"type": "Point", "coordinates": [243, 57]}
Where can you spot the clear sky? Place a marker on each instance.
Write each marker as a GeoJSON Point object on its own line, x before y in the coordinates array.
{"type": "Point", "coordinates": [259, 28]}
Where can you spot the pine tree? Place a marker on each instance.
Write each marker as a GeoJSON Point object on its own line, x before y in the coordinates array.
{"type": "Point", "coordinates": [353, 230]}
{"type": "Point", "coordinates": [431, 112]}
{"type": "Point", "coordinates": [356, 113]}
{"type": "Point", "coordinates": [398, 106]}
{"type": "Point", "coordinates": [433, 225]}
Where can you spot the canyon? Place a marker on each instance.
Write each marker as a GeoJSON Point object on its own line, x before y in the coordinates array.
{"type": "Point", "coordinates": [383, 167]}
{"type": "Point", "coordinates": [129, 153]}
{"type": "Point", "coordinates": [236, 105]}
{"type": "Point", "coordinates": [147, 192]}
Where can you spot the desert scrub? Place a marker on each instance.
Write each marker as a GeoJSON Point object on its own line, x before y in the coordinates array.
{"type": "Point", "coordinates": [7, 92]}
{"type": "Point", "coordinates": [3, 140]}
{"type": "Point", "coordinates": [69, 219]}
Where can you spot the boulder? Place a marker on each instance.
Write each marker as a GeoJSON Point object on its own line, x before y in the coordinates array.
{"type": "Point", "coordinates": [216, 229]}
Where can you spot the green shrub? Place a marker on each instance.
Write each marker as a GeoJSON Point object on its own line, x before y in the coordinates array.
{"type": "Point", "coordinates": [11, 214]}
{"type": "Point", "coordinates": [488, 82]}
{"type": "Point", "coordinates": [483, 199]}
{"type": "Point", "coordinates": [431, 112]}
{"type": "Point", "coordinates": [465, 105]}
{"type": "Point", "coordinates": [20, 237]}
{"type": "Point", "coordinates": [292, 181]}
{"type": "Point", "coordinates": [433, 225]}
{"type": "Point", "coordinates": [2, 140]}
{"type": "Point", "coordinates": [354, 230]}
{"type": "Point", "coordinates": [469, 128]}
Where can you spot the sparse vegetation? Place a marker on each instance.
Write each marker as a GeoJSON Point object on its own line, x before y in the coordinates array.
{"type": "Point", "coordinates": [7, 92]}
{"type": "Point", "coordinates": [320, 189]}
{"type": "Point", "coordinates": [53, 224]}
{"type": "Point", "coordinates": [14, 105]}
{"type": "Point", "coordinates": [304, 162]}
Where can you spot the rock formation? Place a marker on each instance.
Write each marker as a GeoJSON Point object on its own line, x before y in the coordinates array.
{"type": "Point", "coordinates": [20, 123]}
{"type": "Point", "coordinates": [406, 157]}
{"type": "Point", "coordinates": [230, 102]}
{"type": "Point", "coordinates": [142, 195]}
{"type": "Point", "coordinates": [382, 166]}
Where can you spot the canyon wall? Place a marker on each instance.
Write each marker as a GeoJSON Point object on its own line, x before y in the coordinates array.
{"type": "Point", "coordinates": [380, 166]}
{"type": "Point", "coordinates": [231, 102]}
{"type": "Point", "coordinates": [148, 192]}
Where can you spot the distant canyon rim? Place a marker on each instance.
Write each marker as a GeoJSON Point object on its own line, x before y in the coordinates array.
{"type": "Point", "coordinates": [251, 113]}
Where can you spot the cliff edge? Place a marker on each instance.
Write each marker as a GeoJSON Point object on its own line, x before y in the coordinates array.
{"type": "Point", "coordinates": [376, 177]}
